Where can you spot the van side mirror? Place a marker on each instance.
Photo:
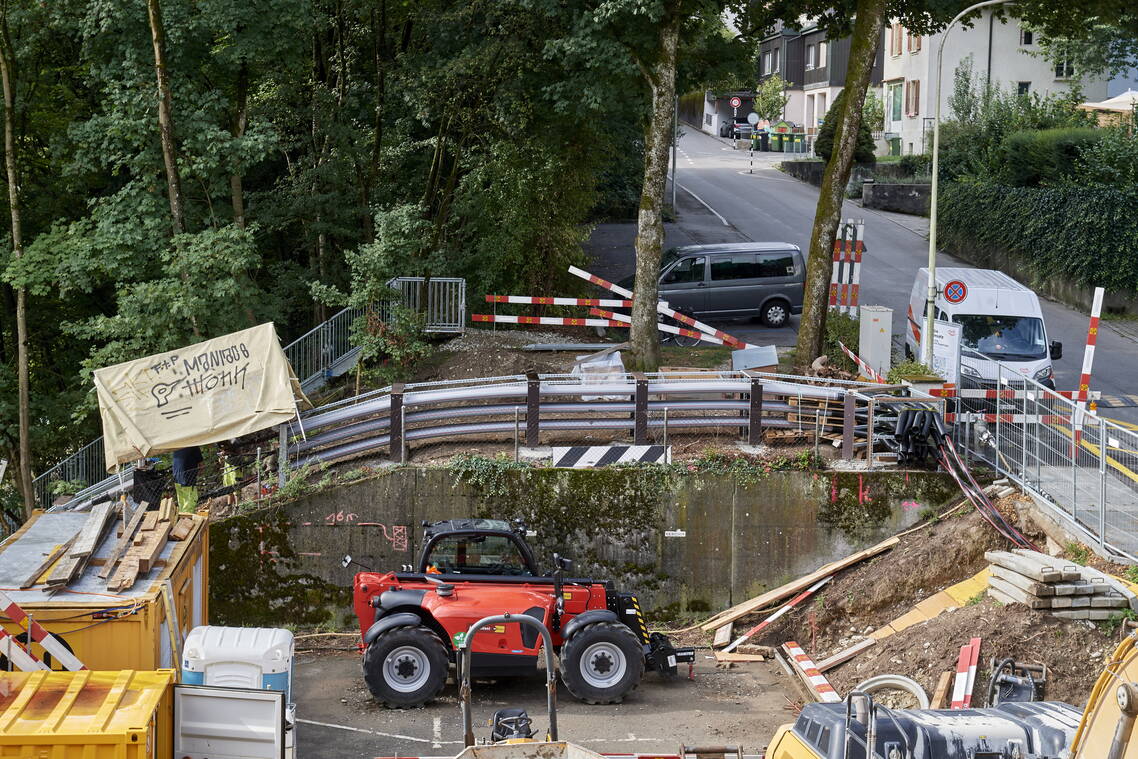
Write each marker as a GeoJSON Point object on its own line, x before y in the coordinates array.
{"type": "Point", "coordinates": [1056, 350]}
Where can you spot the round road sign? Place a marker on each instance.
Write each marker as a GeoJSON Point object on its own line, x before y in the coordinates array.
{"type": "Point", "coordinates": [955, 291]}
{"type": "Point", "coordinates": [736, 102]}
{"type": "Point", "coordinates": [752, 118]}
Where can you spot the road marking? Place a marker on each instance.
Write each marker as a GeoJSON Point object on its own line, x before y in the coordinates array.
{"type": "Point", "coordinates": [437, 733]}
{"type": "Point", "coordinates": [397, 736]}
{"type": "Point", "coordinates": [705, 205]}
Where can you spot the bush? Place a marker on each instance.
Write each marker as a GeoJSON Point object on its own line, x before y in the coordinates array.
{"type": "Point", "coordinates": [1082, 234]}
{"type": "Point", "coordinates": [1113, 160]}
{"type": "Point", "coordinates": [824, 143]}
{"type": "Point", "coordinates": [1045, 156]}
{"type": "Point", "coordinates": [841, 328]}
{"type": "Point", "coordinates": [916, 165]}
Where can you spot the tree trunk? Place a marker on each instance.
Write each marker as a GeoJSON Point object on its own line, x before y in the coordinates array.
{"type": "Point", "coordinates": [661, 77]}
{"type": "Point", "coordinates": [8, 76]}
{"type": "Point", "coordinates": [236, 180]}
{"type": "Point", "coordinates": [820, 263]}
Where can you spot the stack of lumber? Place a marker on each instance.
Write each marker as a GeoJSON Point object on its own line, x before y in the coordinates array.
{"type": "Point", "coordinates": [140, 545]}
{"type": "Point", "coordinates": [71, 559]}
{"type": "Point", "coordinates": [1056, 586]}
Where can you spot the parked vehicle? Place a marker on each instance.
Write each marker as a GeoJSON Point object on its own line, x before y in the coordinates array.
{"type": "Point", "coordinates": [740, 128]}
{"type": "Point", "coordinates": [1001, 321]}
{"type": "Point", "coordinates": [734, 280]}
{"type": "Point", "coordinates": [412, 622]}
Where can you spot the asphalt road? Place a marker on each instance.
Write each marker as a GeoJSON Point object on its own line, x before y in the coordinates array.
{"type": "Point", "coordinates": [719, 201]}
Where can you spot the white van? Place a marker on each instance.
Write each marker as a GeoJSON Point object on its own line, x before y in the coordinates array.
{"type": "Point", "coordinates": [1001, 320]}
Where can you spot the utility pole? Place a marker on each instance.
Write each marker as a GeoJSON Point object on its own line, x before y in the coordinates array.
{"type": "Point", "coordinates": [675, 146]}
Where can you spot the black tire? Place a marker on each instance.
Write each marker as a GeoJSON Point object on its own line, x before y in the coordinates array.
{"type": "Point", "coordinates": [602, 663]}
{"type": "Point", "coordinates": [775, 314]}
{"type": "Point", "coordinates": [406, 666]}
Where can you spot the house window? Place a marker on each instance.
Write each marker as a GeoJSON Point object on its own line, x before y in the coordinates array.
{"type": "Point", "coordinates": [809, 57]}
{"type": "Point", "coordinates": [1064, 68]}
{"type": "Point", "coordinates": [1022, 88]}
{"type": "Point", "coordinates": [767, 63]}
{"type": "Point", "coordinates": [895, 102]}
{"type": "Point", "coordinates": [1026, 37]}
{"type": "Point", "coordinates": [821, 55]}
{"type": "Point", "coordinates": [775, 56]}
{"type": "Point", "coordinates": [914, 43]}
{"type": "Point", "coordinates": [912, 98]}
{"type": "Point", "coordinates": [895, 40]}
{"type": "Point", "coordinates": [822, 108]}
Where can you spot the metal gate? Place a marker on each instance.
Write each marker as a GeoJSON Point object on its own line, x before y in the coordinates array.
{"type": "Point", "coordinates": [445, 310]}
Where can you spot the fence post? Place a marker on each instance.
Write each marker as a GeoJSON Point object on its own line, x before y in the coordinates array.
{"type": "Point", "coordinates": [755, 414]}
{"type": "Point", "coordinates": [533, 409]}
{"type": "Point", "coordinates": [849, 418]}
{"type": "Point", "coordinates": [282, 456]}
{"type": "Point", "coordinates": [397, 448]}
{"type": "Point", "coordinates": [640, 414]}
{"type": "Point", "coordinates": [1103, 442]}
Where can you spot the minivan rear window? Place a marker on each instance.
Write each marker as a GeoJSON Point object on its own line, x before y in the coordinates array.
{"type": "Point", "coordinates": [776, 265]}
{"type": "Point", "coordinates": [736, 266]}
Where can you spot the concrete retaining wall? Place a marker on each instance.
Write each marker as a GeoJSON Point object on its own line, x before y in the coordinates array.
{"type": "Point", "coordinates": [811, 171]}
{"type": "Point", "coordinates": [902, 198]}
{"type": "Point", "coordinates": [282, 563]}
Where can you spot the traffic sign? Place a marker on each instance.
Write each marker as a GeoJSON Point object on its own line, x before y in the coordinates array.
{"type": "Point", "coordinates": [736, 102]}
{"type": "Point", "coordinates": [955, 291]}
{"type": "Point", "coordinates": [752, 118]}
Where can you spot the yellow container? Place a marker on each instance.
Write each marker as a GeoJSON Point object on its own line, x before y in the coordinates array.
{"type": "Point", "coordinates": [86, 715]}
{"type": "Point", "coordinates": [109, 631]}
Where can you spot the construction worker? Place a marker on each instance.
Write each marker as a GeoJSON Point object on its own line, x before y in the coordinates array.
{"type": "Point", "coordinates": [187, 461]}
{"type": "Point", "coordinates": [230, 473]}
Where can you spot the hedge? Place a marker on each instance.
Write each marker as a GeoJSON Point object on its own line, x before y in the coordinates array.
{"type": "Point", "coordinates": [1044, 156]}
{"type": "Point", "coordinates": [1083, 234]}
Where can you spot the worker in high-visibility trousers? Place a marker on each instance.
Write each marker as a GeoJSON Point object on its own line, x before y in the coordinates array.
{"type": "Point", "coordinates": [230, 472]}
{"type": "Point", "coordinates": [187, 462]}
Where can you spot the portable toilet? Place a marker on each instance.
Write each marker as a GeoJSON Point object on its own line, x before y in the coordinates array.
{"type": "Point", "coordinates": [242, 657]}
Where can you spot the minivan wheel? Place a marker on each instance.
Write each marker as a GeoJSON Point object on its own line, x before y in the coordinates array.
{"type": "Point", "coordinates": [775, 314]}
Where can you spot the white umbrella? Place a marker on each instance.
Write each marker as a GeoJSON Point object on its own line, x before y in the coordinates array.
{"type": "Point", "coordinates": [1119, 103]}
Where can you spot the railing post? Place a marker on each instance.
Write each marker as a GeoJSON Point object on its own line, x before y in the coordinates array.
{"type": "Point", "coordinates": [533, 410]}
{"type": "Point", "coordinates": [1103, 442]}
{"type": "Point", "coordinates": [282, 456]}
{"type": "Point", "coordinates": [755, 414]}
{"type": "Point", "coordinates": [849, 419]}
{"type": "Point", "coordinates": [397, 447]}
{"type": "Point", "coordinates": [640, 414]}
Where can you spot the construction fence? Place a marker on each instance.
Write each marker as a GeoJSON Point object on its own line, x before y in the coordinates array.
{"type": "Point", "coordinates": [1082, 465]}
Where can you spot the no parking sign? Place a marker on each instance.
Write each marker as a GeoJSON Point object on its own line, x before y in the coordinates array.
{"type": "Point", "coordinates": [955, 291]}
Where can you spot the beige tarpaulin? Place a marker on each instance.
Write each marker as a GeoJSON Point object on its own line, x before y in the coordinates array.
{"type": "Point", "coordinates": [203, 393]}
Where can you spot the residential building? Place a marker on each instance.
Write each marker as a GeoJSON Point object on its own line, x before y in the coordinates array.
{"type": "Point", "coordinates": [815, 66]}
{"type": "Point", "coordinates": [1001, 53]}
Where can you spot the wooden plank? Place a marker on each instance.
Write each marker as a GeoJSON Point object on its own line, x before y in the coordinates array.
{"type": "Point", "coordinates": [720, 656]}
{"type": "Point", "coordinates": [940, 693]}
{"type": "Point", "coordinates": [846, 654]}
{"type": "Point", "coordinates": [88, 538]}
{"type": "Point", "coordinates": [183, 528]}
{"type": "Point", "coordinates": [50, 558]}
{"type": "Point", "coordinates": [723, 635]}
{"type": "Point", "coordinates": [155, 541]}
{"type": "Point", "coordinates": [766, 599]}
{"type": "Point", "coordinates": [150, 521]}
{"type": "Point", "coordinates": [124, 541]}
{"type": "Point", "coordinates": [126, 575]}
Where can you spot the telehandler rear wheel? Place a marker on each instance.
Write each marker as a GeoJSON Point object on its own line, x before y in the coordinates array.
{"type": "Point", "coordinates": [406, 666]}
{"type": "Point", "coordinates": [602, 662]}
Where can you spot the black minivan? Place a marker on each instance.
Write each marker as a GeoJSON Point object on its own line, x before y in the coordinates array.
{"type": "Point", "coordinates": [735, 280]}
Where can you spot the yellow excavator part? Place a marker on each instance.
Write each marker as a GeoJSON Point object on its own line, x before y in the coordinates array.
{"type": "Point", "coordinates": [787, 745]}
{"type": "Point", "coordinates": [1107, 727]}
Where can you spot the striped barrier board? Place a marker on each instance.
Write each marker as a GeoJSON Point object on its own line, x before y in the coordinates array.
{"type": "Point", "coordinates": [626, 320]}
{"type": "Point", "coordinates": [992, 395]}
{"type": "Point", "coordinates": [845, 276]}
{"type": "Point", "coordinates": [542, 301]}
{"type": "Point", "coordinates": [973, 664]}
{"type": "Point", "coordinates": [661, 308]}
{"type": "Point", "coordinates": [20, 657]}
{"type": "Point", "coordinates": [550, 320]}
{"type": "Point", "coordinates": [966, 665]}
{"type": "Point", "coordinates": [822, 688]}
{"type": "Point", "coordinates": [1009, 418]}
{"type": "Point", "coordinates": [50, 643]}
{"type": "Point", "coordinates": [1088, 362]}
{"type": "Point", "coordinates": [866, 369]}
{"type": "Point", "coordinates": [767, 622]}
{"type": "Point", "coordinates": [591, 456]}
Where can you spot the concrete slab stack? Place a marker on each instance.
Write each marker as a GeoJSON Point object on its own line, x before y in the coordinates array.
{"type": "Point", "coordinates": [1056, 586]}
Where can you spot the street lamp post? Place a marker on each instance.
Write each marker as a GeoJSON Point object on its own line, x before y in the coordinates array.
{"type": "Point", "coordinates": [930, 303]}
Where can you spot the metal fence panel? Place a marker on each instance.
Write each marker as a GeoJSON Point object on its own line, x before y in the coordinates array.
{"type": "Point", "coordinates": [445, 310]}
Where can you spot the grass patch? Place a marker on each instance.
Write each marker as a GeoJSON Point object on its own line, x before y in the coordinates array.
{"type": "Point", "coordinates": [1077, 552]}
{"type": "Point", "coordinates": [699, 357]}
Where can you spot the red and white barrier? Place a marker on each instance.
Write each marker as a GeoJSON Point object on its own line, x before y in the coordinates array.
{"type": "Point", "coordinates": [661, 308]}
{"type": "Point", "coordinates": [866, 369]}
{"type": "Point", "coordinates": [965, 681]}
{"type": "Point", "coordinates": [973, 663]}
{"type": "Point", "coordinates": [1009, 418]}
{"type": "Point", "coordinates": [627, 320]}
{"type": "Point", "coordinates": [1021, 394]}
{"type": "Point", "coordinates": [36, 632]}
{"type": "Point", "coordinates": [543, 301]}
{"type": "Point", "coordinates": [817, 680]}
{"type": "Point", "coordinates": [549, 320]}
{"type": "Point", "coordinates": [1088, 362]}
{"type": "Point", "coordinates": [845, 277]}
{"type": "Point", "coordinates": [767, 622]}
{"type": "Point", "coordinates": [20, 657]}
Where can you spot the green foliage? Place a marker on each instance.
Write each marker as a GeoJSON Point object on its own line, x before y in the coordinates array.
{"type": "Point", "coordinates": [976, 600]}
{"type": "Point", "coordinates": [771, 98]}
{"type": "Point", "coordinates": [916, 164]}
{"type": "Point", "coordinates": [824, 142]}
{"type": "Point", "coordinates": [1112, 160]}
{"type": "Point", "coordinates": [749, 470]}
{"type": "Point", "coordinates": [488, 475]}
{"type": "Point", "coordinates": [929, 514]}
{"type": "Point", "coordinates": [1112, 625]}
{"type": "Point", "coordinates": [905, 369]}
{"type": "Point", "coordinates": [844, 329]}
{"type": "Point", "coordinates": [1131, 573]}
{"type": "Point", "coordinates": [1044, 156]}
{"type": "Point", "coordinates": [1077, 552]}
{"type": "Point", "coordinates": [873, 111]}
{"type": "Point", "coordinates": [1080, 234]}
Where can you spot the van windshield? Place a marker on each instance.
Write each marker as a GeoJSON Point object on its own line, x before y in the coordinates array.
{"type": "Point", "coordinates": [1014, 338]}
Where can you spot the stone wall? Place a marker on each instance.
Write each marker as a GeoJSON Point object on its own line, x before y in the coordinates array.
{"type": "Point", "coordinates": [732, 536]}
{"type": "Point", "coordinates": [902, 198]}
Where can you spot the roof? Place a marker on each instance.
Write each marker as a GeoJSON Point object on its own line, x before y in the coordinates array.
{"type": "Point", "coordinates": [978, 279]}
{"type": "Point", "coordinates": [732, 247]}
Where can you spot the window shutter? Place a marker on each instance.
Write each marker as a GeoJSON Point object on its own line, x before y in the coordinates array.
{"type": "Point", "coordinates": [917, 98]}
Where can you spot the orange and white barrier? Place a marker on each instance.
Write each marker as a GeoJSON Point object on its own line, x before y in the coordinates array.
{"type": "Point", "coordinates": [36, 632]}
{"type": "Point", "coordinates": [19, 656]}
{"type": "Point", "coordinates": [1088, 362]}
{"type": "Point", "coordinates": [544, 301]}
{"type": "Point", "coordinates": [627, 321]}
{"type": "Point", "coordinates": [817, 680]}
{"type": "Point", "coordinates": [549, 320]}
{"type": "Point", "coordinates": [866, 369]}
{"type": "Point", "coordinates": [966, 665]}
{"type": "Point", "coordinates": [845, 277]}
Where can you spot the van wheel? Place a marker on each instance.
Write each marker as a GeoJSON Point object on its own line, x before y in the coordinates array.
{"type": "Point", "coordinates": [775, 314]}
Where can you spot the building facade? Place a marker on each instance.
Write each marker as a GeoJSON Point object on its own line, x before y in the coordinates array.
{"type": "Point", "coordinates": [1001, 52]}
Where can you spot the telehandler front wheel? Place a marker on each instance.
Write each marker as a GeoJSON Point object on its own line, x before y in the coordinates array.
{"type": "Point", "coordinates": [602, 663]}
{"type": "Point", "coordinates": [406, 666]}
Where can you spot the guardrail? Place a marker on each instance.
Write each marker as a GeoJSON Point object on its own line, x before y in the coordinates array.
{"type": "Point", "coordinates": [526, 406]}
